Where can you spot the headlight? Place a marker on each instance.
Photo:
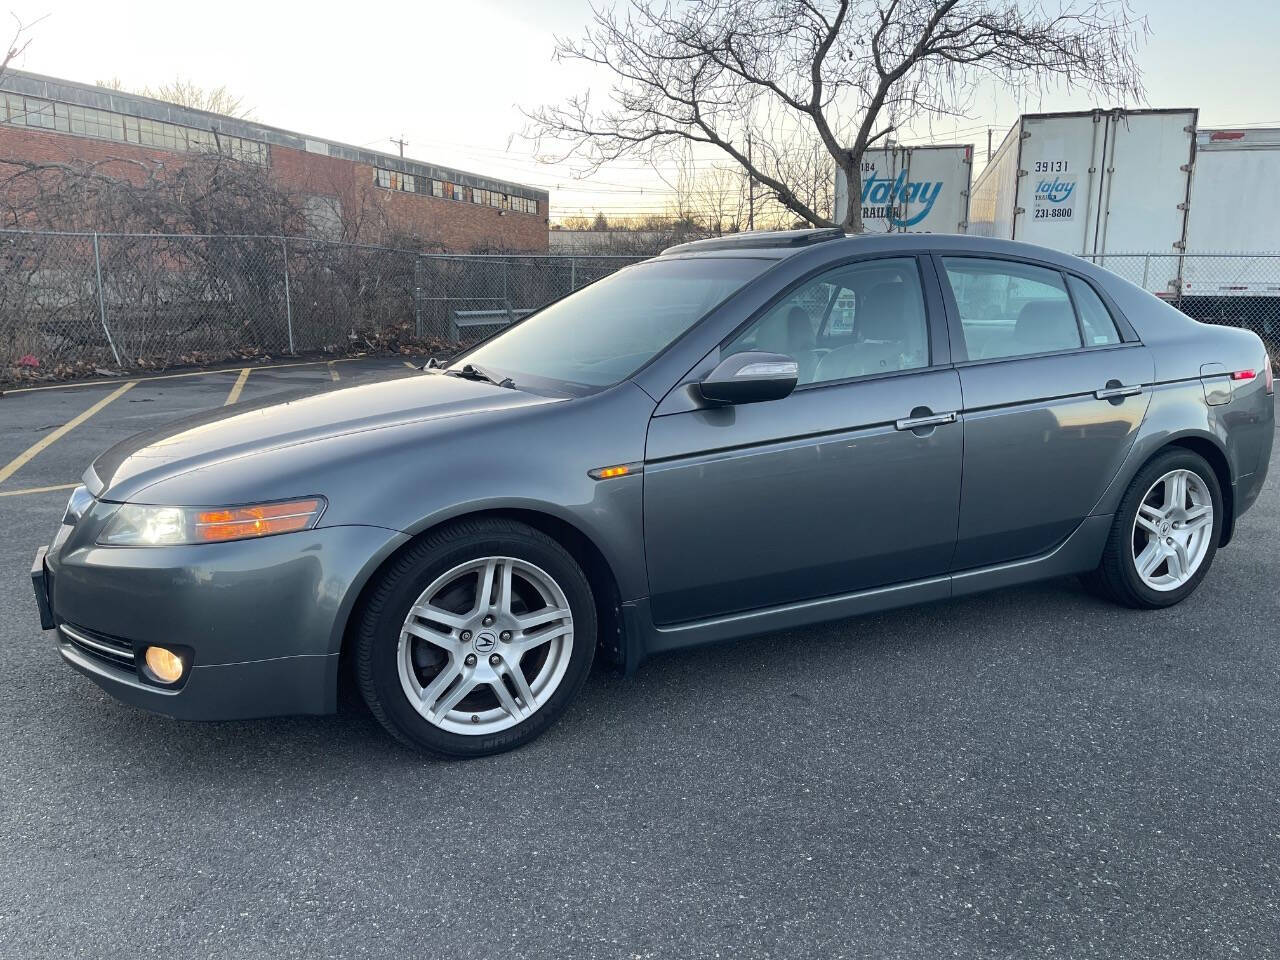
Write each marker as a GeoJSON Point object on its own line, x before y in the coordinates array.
{"type": "Point", "coordinates": [136, 525]}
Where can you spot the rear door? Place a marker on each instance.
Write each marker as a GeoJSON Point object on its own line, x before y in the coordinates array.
{"type": "Point", "coordinates": [1053, 395]}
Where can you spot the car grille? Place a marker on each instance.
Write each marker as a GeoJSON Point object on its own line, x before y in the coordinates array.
{"type": "Point", "coordinates": [99, 646]}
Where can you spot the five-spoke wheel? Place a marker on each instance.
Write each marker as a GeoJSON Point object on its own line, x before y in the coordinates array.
{"type": "Point", "coordinates": [485, 644]}
{"type": "Point", "coordinates": [1165, 532]}
{"type": "Point", "coordinates": [1172, 529]}
{"type": "Point", "coordinates": [476, 638]}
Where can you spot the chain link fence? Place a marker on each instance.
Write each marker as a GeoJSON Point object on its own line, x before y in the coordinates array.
{"type": "Point", "coordinates": [70, 303]}
{"type": "Point", "coordinates": [1234, 289]}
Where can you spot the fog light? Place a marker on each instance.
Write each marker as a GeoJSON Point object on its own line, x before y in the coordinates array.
{"type": "Point", "coordinates": [165, 665]}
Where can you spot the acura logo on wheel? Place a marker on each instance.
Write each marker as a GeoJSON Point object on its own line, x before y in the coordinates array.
{"type": "Point", "coordinates": [485, 642]}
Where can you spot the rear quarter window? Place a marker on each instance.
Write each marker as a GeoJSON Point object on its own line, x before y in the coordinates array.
{"type": "Point", "coordinates": [1095, 319]}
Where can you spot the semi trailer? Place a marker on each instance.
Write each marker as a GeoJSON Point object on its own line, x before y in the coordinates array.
{"type": "Point", "coordinates": [911, 189]}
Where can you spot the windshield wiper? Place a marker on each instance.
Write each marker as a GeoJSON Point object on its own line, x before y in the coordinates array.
{"type": "Point", "coordinates": [471, 371]}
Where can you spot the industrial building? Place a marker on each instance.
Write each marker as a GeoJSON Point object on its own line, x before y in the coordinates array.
{"type": "Point", "coordinates": [51, 121]}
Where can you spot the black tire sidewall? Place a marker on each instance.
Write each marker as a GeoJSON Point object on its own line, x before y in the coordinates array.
{"type": "Point", "coordinates": [386, 613]}
{"type": "Point", "coordinates": [1171, 460]}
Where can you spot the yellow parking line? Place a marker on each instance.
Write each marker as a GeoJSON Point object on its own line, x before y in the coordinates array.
{"type": "Point", "coordinates": [234, 395]}
{"type": "Point", "coordinates": [48, 439]}
{"type": "Point", "coordinates": [333, 371]}
{"type": "Point", "coordinates": [176, 376]}
{"type": "Point", "coordinates": [56, 486]}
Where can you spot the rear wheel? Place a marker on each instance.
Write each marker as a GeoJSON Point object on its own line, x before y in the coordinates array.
{"type": "Point", "coordinates": [1164, 535]}
{"type": "Point", "coordinates": [476, 639]}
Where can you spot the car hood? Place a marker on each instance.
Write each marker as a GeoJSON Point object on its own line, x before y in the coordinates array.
{"type": "Point", "coordinates": [285, 420]}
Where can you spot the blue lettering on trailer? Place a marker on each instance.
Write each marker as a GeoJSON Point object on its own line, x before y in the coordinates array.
{"type": "Point", "coordinates": [1055, 190]}
{"type": "Point", "coordinates": [885, 192]}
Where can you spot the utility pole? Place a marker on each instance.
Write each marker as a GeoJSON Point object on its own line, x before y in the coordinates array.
{"type": "Point", "coordinates": [402, 141]}
{"type": "Point", "coordinates": [751, 190]}
{"type": "Point", "coordinates": [988, 144]}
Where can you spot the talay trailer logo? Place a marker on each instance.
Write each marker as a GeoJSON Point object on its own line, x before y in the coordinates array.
{"type": "Point", "coordinates": [895, 200]}
{"type": "Point", "coordinates": [1055, 189]}
{"type": "Point", "coordinates": [1052, 199]}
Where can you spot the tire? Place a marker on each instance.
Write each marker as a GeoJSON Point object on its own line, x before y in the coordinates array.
{"type": "Point", "coordinates": [409, 668]}
{"type": "Point", "coordinates": [1118, 577]}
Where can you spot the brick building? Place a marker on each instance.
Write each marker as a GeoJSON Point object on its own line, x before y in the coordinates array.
{"type": "Point", "coordinates": [46, 120]}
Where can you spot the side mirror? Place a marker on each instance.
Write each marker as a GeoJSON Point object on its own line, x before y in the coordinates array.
{"type": "Point", "coordinates": [750, 377]}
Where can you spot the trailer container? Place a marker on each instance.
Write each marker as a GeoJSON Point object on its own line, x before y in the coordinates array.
{"type": "Point", "coordinates": [1231, 270]}
{"type": "Point", "coordinates": [912, 189]}
{"type": "Point", "coordinates": [1095, 184]}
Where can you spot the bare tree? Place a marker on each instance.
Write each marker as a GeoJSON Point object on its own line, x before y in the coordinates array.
{"type": "Point", "coordinates": [18, 43]}
{"type": "Point", "coordinates": [714, 196]}
{"type": "Point", "coordinates": [751, 79]}
{"type": "Point", "coordinates": [187, 93]}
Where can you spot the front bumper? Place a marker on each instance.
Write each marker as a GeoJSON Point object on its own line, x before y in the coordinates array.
{"type": "Point", "coordinates": [229, 691]}
{"type": "Point", "coordinates": [261, 620]}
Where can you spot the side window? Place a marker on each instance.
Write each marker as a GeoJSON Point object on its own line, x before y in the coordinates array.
{"type": "Point", "coordinates": [853, 321]}
{"type": "Point", "coordinates": [1010, 309]}
{"type": "Point", "coordinates": [1095, 319]}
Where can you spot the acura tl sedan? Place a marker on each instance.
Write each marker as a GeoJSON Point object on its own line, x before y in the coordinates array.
{"type": "Point", "coordinates": [739, 436]}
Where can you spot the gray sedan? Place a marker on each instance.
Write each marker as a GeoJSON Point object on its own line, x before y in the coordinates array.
{"type": "Point", "coordinates": [740, 435]}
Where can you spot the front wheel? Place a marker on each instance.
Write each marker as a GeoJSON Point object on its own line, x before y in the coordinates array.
{"type": "Point", "coordinates": [1164, 535]}
{"type": "Point", "coordinates": [476, 639]}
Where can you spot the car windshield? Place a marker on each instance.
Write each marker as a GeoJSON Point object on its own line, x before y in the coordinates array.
{"type": "Point", "coordinates": [605, 332]}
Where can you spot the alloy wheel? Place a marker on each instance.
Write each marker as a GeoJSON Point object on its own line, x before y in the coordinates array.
{"type": "Point", "coordinates": [485, 645]}
{"type": "Point", "coordinates": [1172, 530]}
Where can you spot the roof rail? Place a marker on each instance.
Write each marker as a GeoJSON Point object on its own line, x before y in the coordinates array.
{"type": "Point", "coordinates": [761, 239]}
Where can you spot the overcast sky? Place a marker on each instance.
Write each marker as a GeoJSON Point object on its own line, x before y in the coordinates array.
{"type": "Point", "coordinates": [451, 77]}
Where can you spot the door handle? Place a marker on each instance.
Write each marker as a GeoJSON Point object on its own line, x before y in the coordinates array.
{"type": "Point", "coordinates": [1112, 393]}
{"type": "Point", "coordinates": [933, 420]}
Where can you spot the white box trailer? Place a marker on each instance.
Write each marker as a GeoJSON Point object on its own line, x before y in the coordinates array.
{"type": "Point", "coordinates": [1094, 184]}
{"type": "Point", "coordinates": [1235, 208]}
{"type": "Point", "coordinates": [912, 189]}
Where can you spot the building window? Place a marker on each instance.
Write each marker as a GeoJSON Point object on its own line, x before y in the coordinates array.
{"type": "Point", "coordinates": [108, 125]}
{"type": "Point", "coordinates": [95, 123]}
{"type": "Point", "coordinates": [394, 180]}
{"type": "Point", "coordinates": [167, 136]}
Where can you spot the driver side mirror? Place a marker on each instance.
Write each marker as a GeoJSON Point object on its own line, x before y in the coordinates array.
{"type": "Point", "coordinates": [750, 377]}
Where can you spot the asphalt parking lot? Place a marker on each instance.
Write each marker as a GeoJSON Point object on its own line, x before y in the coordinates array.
{"type": "Point", "coordinates": [1028, 773]}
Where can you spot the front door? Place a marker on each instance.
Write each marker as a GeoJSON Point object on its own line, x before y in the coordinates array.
{"type": "Point", "coordinates": [851, 482]}
{"type": "Point", "coordinates": [1053, 397]}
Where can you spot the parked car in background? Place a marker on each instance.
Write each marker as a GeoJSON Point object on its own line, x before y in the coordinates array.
{"type": "Point", "coordinates": [741, 435]}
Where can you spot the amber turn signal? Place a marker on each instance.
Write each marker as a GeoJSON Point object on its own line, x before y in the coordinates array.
{"type": "Point", "coordinates": [618, 470]}
{"type": "Point", "coordinates": [237, 523]}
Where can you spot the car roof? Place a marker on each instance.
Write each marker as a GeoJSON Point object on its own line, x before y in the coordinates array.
{"type": "Point", "coordinates": [832, 243]}
{"type": "Point", "coordinates": [780, 240]}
